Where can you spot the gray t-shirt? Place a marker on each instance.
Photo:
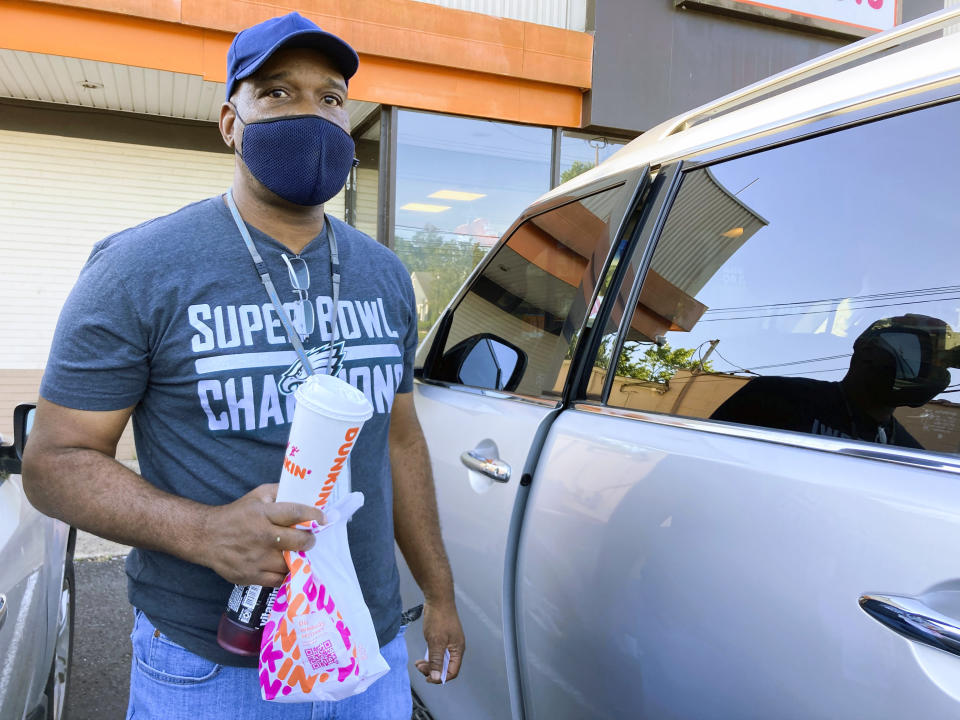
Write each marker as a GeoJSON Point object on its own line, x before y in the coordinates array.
{"type": "Point", "coordinates": [171, 317]}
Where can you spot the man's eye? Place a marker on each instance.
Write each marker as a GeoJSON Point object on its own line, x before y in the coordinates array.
{"type": "Point", "coordinates": [333, 100]}
{"type": "Point", "coordinates": [277, 93]}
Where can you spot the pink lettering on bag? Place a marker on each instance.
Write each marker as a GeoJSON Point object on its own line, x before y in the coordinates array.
{"type": "Point", "coordinates": [270, 689]}
{"type": "Point", "coordinates": [270, 657]}
{"type": "Point", "coordinates": [325, 601]}
{"type": "Point", "coordinates": [310, 588]}
{"type": "Point", "coordinates": [344, 633]}
{"type": "Point", "coordinates": [344, 672]}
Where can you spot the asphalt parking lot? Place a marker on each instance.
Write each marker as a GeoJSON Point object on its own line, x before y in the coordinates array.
{"type": "Point", "coordinates": [101, 650]}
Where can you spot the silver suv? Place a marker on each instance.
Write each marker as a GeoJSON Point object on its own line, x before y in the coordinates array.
{"type": "Point", "coordinates": [36, 595]}
{"type": "Point", "coordinates": [694, 422]}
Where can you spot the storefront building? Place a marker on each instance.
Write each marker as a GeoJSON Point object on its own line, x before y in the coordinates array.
{"type": "Point", "coordinates": [463, 111]}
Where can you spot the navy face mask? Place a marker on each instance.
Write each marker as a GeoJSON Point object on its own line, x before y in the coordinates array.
{"type": "Point", "coordinates": [305, 159]}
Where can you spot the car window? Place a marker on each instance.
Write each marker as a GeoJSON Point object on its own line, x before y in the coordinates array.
{"type": "Point", "coordinates": [515, 327]}
{"type": "Point", "coordinates": [811, 288]}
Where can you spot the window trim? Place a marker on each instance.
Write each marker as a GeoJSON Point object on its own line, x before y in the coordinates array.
{"type": "Point", "coordinates": [825, 124]}
{"type": "Point", "coordinates": [488, 393]}
{"type": "Point", "coordinates": [648, 238]}
{"type": "Point", "coordinates": [925, 459]}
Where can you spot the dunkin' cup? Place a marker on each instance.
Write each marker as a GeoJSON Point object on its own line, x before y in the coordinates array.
{"type": "Point", "coordinates": [326, 422]}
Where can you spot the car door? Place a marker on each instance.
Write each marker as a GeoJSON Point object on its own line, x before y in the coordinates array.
{"type": "Point", "coordinates": [752, 510]}
{"type": "Point", "coordinates": [492, 380]}
{"type": "Point", "coordinates": [24, 591]}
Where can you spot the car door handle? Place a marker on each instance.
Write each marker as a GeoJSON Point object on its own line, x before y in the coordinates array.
{"type": "Point", "coordinates": [493, 468]}
{"type": "Point", "coordinates": [914, 620]}
{"type": "Point", "coordinates": [3, 609]}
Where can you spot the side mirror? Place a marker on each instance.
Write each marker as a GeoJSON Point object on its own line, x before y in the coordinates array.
{"type": "Point", "coordinates": [11, 455]}
{"type": "Point", "coordinates": [485, 361]}
{"type": "Point", "coordinates": [22, 424]}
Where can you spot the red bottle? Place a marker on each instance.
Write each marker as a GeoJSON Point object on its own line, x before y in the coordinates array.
{"type": "Point", "coordinates": [241, 625]}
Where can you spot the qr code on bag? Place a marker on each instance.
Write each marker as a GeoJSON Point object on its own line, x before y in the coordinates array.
{"type": "Point", "coordinates": [323, 656]}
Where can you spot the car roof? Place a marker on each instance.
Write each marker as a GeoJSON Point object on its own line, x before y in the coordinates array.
{"type": "Point", "coordinates": [909, 69]}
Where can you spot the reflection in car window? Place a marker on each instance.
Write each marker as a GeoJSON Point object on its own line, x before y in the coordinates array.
{"type": "Point", "coordinates": [534, 293]}
{"type": "Point", "coordinates": [811, 288]}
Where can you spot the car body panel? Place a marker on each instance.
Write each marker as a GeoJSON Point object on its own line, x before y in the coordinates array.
{"type": "Point", "coordinates": [32, 548]}
{"type": "Point", "coordinates": [475, 514]}
{"type": "Point", "coordinates": [665, 572]}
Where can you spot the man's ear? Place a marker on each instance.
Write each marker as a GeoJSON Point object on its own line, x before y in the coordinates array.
{"type": "Point", "coordinates": [230, 129]}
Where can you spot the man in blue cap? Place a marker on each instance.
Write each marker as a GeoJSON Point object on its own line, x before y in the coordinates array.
{"type": "Point", "coordinates": [169, 322]}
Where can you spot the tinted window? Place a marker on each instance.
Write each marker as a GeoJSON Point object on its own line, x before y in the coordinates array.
{"type": "Point", "coordinates": [533, 295]}
{"type": "Point", "coordinates": [810, 288]}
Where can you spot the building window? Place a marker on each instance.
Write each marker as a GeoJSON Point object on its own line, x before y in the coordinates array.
{"type": "Point", "coordinates": [580, 152]}
{"type": "Point", "coordinates": [461, 182]}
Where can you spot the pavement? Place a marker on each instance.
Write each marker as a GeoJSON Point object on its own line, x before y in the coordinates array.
{"type": "Point", "coordinates": [91, 547]}
{"type": "Point", "coordinates": [100, 677]}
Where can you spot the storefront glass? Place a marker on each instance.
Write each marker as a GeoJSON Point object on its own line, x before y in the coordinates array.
{"type": "Point", "coordinates": [461, 182]}
{"type": "Point", "coordinates": [581, 151]}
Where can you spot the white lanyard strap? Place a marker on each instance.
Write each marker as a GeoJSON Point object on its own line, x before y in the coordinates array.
{"type": "Point", "coordinates": [292, 334]}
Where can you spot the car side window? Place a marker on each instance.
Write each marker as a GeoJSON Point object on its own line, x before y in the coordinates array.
{"type": "Point", "coordinates": [810, 288]}
{"type": "Point", "coordinates": [515, 327]}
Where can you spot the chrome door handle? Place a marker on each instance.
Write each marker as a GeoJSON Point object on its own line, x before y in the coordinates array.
{"type": "Point", "coordinates": [493, 468]}
{"type": "Point", "coordinates": [914, 620]}
{"type": "Point", "coordinates": [3, 609]}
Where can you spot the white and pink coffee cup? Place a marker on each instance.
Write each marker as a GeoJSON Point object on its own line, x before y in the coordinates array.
{"type": "Point", "coordinates": [326, 423]}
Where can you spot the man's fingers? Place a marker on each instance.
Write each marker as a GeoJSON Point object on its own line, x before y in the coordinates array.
{"type": "Point", "coordinates": [436, 663]}
{"type": "Point", "coordinates": [287, 514]}
{"type": "Point", "coordinates": [294, 540]}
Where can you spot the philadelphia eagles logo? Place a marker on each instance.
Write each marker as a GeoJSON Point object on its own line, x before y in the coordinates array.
{"type": "Point", "coordinates": [295, 375]}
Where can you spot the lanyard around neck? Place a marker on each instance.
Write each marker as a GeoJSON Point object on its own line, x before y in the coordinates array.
{"type": "Point", "coordinates": [292, 334]}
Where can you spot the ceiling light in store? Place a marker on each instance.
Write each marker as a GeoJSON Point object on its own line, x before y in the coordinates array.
{"type": "Point", "coordinates": [456, 195]}
{"type": "Point", "coordinates": [425, 207]}
{"type": "Point", "coordinates": [90, 85]}
{"type": "Point", "coordinates": [732, 233]}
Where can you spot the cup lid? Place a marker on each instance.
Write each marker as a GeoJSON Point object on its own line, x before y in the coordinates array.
{"type": "Point", "coordinates": [331, 396]}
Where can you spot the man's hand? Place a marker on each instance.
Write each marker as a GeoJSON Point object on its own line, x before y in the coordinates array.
{"type": "Point", "coordinates": [417, 529]}
{"type": "Point", "coordinates": [247, 537]}
{"type": "Point", "coordinates": [442, 631]}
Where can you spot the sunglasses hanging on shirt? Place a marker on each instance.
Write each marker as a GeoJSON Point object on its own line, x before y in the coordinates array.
{"type": "Point", "coordinates": [300, 281]}
{"type": "Point", "coordinates": [304, 317]}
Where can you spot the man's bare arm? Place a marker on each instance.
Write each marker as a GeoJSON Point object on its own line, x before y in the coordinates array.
{"type": "Point", "coordinates": [417, 529]}
{"type": "Point", "coordinates": [69, 472]}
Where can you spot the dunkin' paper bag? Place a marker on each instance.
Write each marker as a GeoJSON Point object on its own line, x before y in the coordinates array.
{"type": "Point", "coordinates": [319, 642]}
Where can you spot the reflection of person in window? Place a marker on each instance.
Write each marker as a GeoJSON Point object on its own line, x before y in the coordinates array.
{"type": "Point", "coordinates": [896, 362]}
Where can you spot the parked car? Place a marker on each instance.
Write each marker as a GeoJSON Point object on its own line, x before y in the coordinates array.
{"type": "Point", "coordinates": [691, 421]}
{"type": "Point", "coordinates": [36, 595]}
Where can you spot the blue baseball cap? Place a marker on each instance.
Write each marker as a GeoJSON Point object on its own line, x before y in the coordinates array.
{"type": "Point", "coordinates": [252, 47]}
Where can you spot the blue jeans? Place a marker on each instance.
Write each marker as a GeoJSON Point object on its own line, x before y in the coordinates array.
{"type": "Point", "coordinates": [168, 682]}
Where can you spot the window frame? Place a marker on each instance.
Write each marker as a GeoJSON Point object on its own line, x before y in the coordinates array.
{"type": "Point", "coordinates": [886, 453]}
{"type": "Point", "coordinates": [631, 183]}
